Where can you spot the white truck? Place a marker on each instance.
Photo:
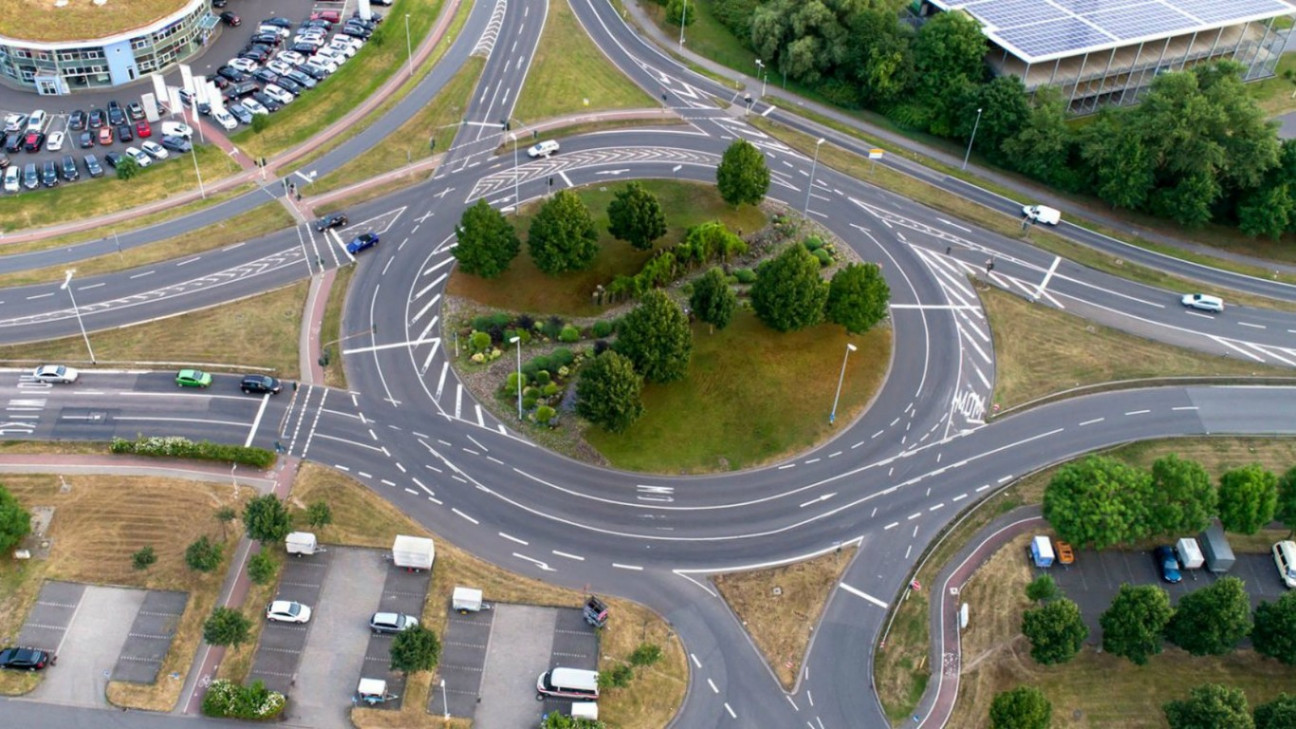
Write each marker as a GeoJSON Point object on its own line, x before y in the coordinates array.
{"type": "Point", "coordinates": [1042, 214]}
{"type": "Point", "coordinates": [413, 553]}
{"type": "Point", "coordinates": [299, 543]}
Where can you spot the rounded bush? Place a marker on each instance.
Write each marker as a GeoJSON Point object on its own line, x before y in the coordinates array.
{"type": "Point", "coordinates": [602, 328]}
{"type": "Point", "coordinates": [825, 258]}
{"type": "Point", "coordinates": [544, 414]}
{"type": "Point", "coordinates": [528, 403]}
{"type": "Point", "coordinates": [560, 357]}
{"type": "Point", "coordinates": [550, 389]}
{"type": "Point", "coordinates": [543, 377]}
{"type": "Point", "coordinates": [813, 243]}
{"type": "Point", "coordinates": [745, 275]}
{"type": "Point", "coordinates": [569, 334]}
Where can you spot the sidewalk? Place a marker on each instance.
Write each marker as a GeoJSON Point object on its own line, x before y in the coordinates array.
{"type": "Point", "coordinates": [1037, 194]}
{"type": "Point", "coordinates": [135, 466]}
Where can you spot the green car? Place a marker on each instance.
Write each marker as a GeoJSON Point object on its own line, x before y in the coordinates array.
{"type": "Point", "coordinates": [193, 378]}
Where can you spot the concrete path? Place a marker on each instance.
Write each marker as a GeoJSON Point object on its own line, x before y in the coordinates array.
{"type": "Point", "coordinates": [520, 645]}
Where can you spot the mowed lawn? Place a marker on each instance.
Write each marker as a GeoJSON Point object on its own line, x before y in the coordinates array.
{"type": "Point", "coordinates": [569, 74]}
{"type": "Point", "coordinates": [523, 288]}
{"type": "Point", "coordinates": [707, 37]}
{"type": "Point", "coordinates": [752, 395]}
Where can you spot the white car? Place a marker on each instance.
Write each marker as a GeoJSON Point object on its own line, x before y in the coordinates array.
{"type": "Point", "coordinates": [55, 142]}
{"type": "Point", "coordinates": [246, 65]}
{"type": "Point", "coordinates": [1205, 302]}
{"type": "Point", "coordinates": [345, 49]}
{"type": "Point", "coordinates": [543, 149]}
{"type": "Point", "coordinates": [155, 150]}
{"type": "Point", "coordinates": [141, 158]}
{"type": "Point", "coordinates": [287, 611]}
{"type": "Point", "coordinates": [323, 64]}
{"type": "Point", "coordinates": [15, 122]}
{"type": "Point", "coordinates": [281, 67]}
{"type": "Point", "coordinates": [176, 129]}
{"type": "Point", "coordinates": [225, 119]}
{"type": "Point", "coordinates": [283, 96]}
{"type": "Point", "coordinates": [36, 122]}
{"type": "Point", "coordinates": [254, 106]}
{"type": "Point", "coordinates": [291, 57]}
{"type": "Point", "coordinates": [332, 55]}
{"type": "Point", "coordinates": [12, 179]}
{"type": "Point", "coordinates": [56, 374]}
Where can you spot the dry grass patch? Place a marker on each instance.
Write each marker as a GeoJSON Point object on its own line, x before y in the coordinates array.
{"type": "Point", "coordinates": [782, 622]}
{"type": "Point", "coordinates": [69, 447]}
{"type": "Point", "coordinates": [258, 331]}
{"type": "Point", "coordinates": [99, 522]}
{"type": "Point", "coordinates": [372, 192]}
{"type": "Point", "coordinates": [361, 518]}
{"type": "Point", "coordinates": [1040, 350]}
{"type": "Point", "coordinates": [254, 223]}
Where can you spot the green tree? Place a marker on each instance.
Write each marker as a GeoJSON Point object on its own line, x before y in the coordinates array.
{"type": "Point", "coordinates": [1274, 634]}
{"type": "Point", "coordinates": [415, 649]}
{"type": "Point", "coordinates": [225, 515]}
{"type": "Point", "coordinates": [226, 626]}
{"type": "Point", "coordinates": [1277, 714]}
{"type": "Point", "coordinates": [742, 176]}
{"type": "Point", "coordinates": [144, 558]}
{"type": "Point", "coordinates": [203, 555]}
{"type": "Point", "coordinates": [1024, 707]}
{"type": "Point", "coordinates": [487, 243]}
{"type": "Point", "coordinates": [15, 521]}
{"type": "Point", "coordinates": [1210, 707]}
{"type": "Point", "coordinates": [618, 676]}
{"type": "Point", "coordinates": [857, 297]}
{"type": "Point", "coordinates": [1182, 498]}
{"type": "Point", "coordinates": [1123, 168]}
{"type": "Point", "coordinates": [884, 66]}
{"type": "Point", "coordinates": [1248, 497]}
{"type": "Point", "coordinates": [1055, 630]}
{"type": "Point", "coordinates": [261, 567]}
{"type": "Point", "coordinates": [1285, 511]}
{"type": "Point", "coordinates": [655, 336]}
{"type": "Point", "coordinates": [259, 123]}
{"type": "Point", "coordinates": [319, 515]}
{"type": "Point", "coordinates": [266, 520]}
{"type": "Point", "coordinates": [788, 293]}
{"type": "Point", "coordinates": [1134, 625]}
{"type": "Point", "coordinates": [712, 300]}
{"type": "Point", "coordinates": [563, 236]}
{"type": "Point", "coordinates": [679, 12]}
{"type": "Point", "coordinates": [1098, 501]}
{"type": "Point", "coordinates": [635, 216]}
{"type": "Point", "coordinates": [1042, 589]}
{"type": "Point", "coordinates": [645, 654]}
{"type": "Point", "coordinates": [608, 392]}
{"type": "Point", "coordinates": [949, 60]}
{"type": "Point", "coordinates": [1212, 620]}
{"type": "Point", "coordinates": [128, 168]}
{"type": "Point", "coordinates": [1268, 211]}
{"type": "Point", "coordinates": [1043, 145]}
{"type": "Point", "coordinates": [1005, 109]}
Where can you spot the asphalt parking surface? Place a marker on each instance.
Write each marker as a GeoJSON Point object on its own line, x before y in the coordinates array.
{"type": "Point", "coordinates": [405, 592]}
{"type": "Point", "coordinates": [92, 624]}
{"type": "Point", "coordinates": [150, 637]}
{"type": "Point", "coordinates": [463, 658]}
{"type": "Point", "coordinates": [280, 649]}
{"type": "Point", "coordinates": [575, 645]}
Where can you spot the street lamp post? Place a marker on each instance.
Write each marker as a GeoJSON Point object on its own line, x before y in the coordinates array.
{"type": "Point", "coordinates": [76, 310]}
{"type": "Point", "coordinates": [409, 46]}
{"type": "Point", "coordinates": [683, 8]}
{"type": "Point", "coordinates": [763, 73]}
{"type": "Point", "coordinates": [518, 342]}
{"type": "Point", "coordinates": [805, 209]}
{"type": "Point", "coordinates": [517, 201]}
{"type": "Point", "coordinates": [832, 417]}
{"type": "Point", "coordinates": [972, 138]}
{"type": "Point", "coordinates": [444, 705]}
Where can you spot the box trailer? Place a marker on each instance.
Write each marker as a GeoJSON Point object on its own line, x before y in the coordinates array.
{"type": "Point", "coordinates": [1041, 552]}
{"type": "Point", "coordinates": [413, 553]}
{"type": "Point", "coordinates": [1190, 554]}
{"type": "Point", "coordinates": [466, 600]}
{"type": "Point", "coordinates": [1215, 548]}
{"type": "Point", "coordinates": [299, 543]}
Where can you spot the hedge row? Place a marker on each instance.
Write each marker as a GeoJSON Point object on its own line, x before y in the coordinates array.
{"type": "Point", "coordinates": [225, 698]}
{"type": "Point", "coordinates": [177, 447]}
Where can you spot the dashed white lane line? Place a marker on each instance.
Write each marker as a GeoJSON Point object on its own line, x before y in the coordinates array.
{"type": "Point", "coordinates": [790, 701]}
{"type": "Point", "coordinates": [576, 557]}
{"type": "Point", "coordinates": [1185, 407]}
{"type": "Point", "coordinates": [696, 662]}
{"type": "Point", "coordinates": [465, 516]}
{"type": "Point", "coordinates": [713, 686]}
{"type": "Point", "coordinates": [732, 715]}
{"type": "Point", "coordinates": [859, 593]}
{"type": "Point", "coordinates": [634, 567]}
{"type": "Point", "coordinates": [1091, 422]}
{"type": "Point", "coordinates": [892, 525]}
{"type": "Point", "coordinates": [512, 538]}
{"type": "Point", "coordinates": [1249, 324]}
{"type": "Point", "coordinates": [1138, 412]}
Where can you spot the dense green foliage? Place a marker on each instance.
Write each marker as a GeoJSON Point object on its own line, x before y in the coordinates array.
{"type": "Point", "coordinates": [1182, 498]}
{"type": "Point", "coordinates": [562, 236]}
{"type": "Point", "coordinates": [788, 293]}
{"type": "Point", "coordinates": [203, 555]}
{"type": "Point", "coordinates": [1098, 501]}
{"type": "Point", "coordinates": [655, 336]}
{"type": "Point", "coordinates": [1212, 620]}
{"type": "Point", "coordinates": [1274, 634]}
{"type": "Point", "coordinates": [636, 216]}
{"type": "Point", "coordinates": [487, 242]}
{"type": "Point", "coordinates": [225, 698]}
{"type": "Point", "coordinates": [266, 520]}
{"type": "Point", "coordinates": [15, 521]}
{"type": "Point", "coordinates": [226, 626]}
{"type": "Point", "coordinates": [1024, 707]}
{"type": "Point", "coordinates": [1042, 589]}
{"type": "Point", "coordinates": [1285, 508]}
{"type": "Point", "coordinates": [1055, 630]}
{"type": "Point", "coordinates": [1277, 714]}
{"type": "Point", "coordinates": [177, 447]}
{"type": "Point", "coordinates": [857, 297]}
{"type": "Point", "coordinates": [415, 649]}
{"type": "Point", "coordinates": [713, 301]}
{"type": "Point", "coordinates": [742, 176]}
{"type": "Point", "coordinates": [1248, 498]}
{"type": "Point", "coordinates": [1210, 707]}
{"type": "Point", "coordinates": [608, 392]}
{"type": "Point", "coordinates": [1134, 625]}
{"type": "Point", "coordinates": [262, 567]}
{"type": "Point", "coordinates": [144, 558]}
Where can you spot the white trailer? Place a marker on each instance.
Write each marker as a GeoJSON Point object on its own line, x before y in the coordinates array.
{"type": "Point", "coordinates": [299, 543]}
{"type": "Point", "coordinates": [413, 553]}
{"type": "Point", "coordinates": [1190, 554]}
{"type": "Point", "coordinates": [466, 600]}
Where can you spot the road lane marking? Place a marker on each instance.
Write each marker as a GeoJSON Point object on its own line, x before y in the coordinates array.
{"type": "Point", "coordinates": [1138, 412]}
{"type": "Point", "coordinates": [711, 683]}
{"type": "Point", "coordinates": [465, 516]}
{"type": "Point", "coordinates": [576, 557]}
{"type": "Point", "coordinates": [632, 567]}
{"type": "Point", "coordinates": [857, 593]}
{"type": "Point", "coordinates": [512, 538]}
{"type": "Point", "coordinates": [1091, 422]}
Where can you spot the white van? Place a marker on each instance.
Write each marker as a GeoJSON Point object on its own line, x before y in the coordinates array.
{"type": "Point", "coordinates": [568, 683]}
{"type": "Point", "coordinates": [11, 182]}
{"type": "Point", "coordinates": [1285, 558]}
{"type": "Point", "coordinates": [1042, 214]}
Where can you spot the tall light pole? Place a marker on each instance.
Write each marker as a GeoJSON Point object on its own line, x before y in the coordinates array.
{"type": "Point", "coordinates": [972, 138]}
{"type": "Point", "coordinates": [197, 172]}
{"type": "Point", "coordinates": [444, 704]}
{"type": "Point", "coordinates": [805, 209]}
{"type": "Point", "coordinates": [76, 310]}
{"type": "Point", "coordinates": [517, 201]}
{"type": "Point", "coordinates": [409, 46]}
{"type": "Point", "coordinates": [763, 73]}
{"type": "Point", "coordinates": [832, 417]}
{"type": "Point", "coordinates": [518, 342]}
{"type": "Point", "coordinates": [683, 8]}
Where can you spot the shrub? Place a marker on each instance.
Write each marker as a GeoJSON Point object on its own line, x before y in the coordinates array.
{"type": "Point", "coordinates": [645, 654]}
{"type": "Point", "coordinates": [618, 677]}
{"type": "Point", "coordinates": [525, 321]}
{"type": "Point", "coordinates": [225, 698]}
{"type": "Point", "coordinates": [560, 357]}
{"type": "Point", "coordinates": [491, 321]}
{"type": "Point", "coordinates": [825, 258]}
{"type": "Point", "coordinates": [261, 568]}
{"type": "Point", "coordinates": [511, 384]}
{"type": "Point", "coordinates": [528, 403]}
{"type": "Point", "coordinates": [550, 389]}
{"type": "Point", "coordinates": [531, 392]}
{"type": "Point", "coordinates": [600, 346]}
{"type": "Point", "coordinates": [177, 447]}
{"type": "Point", "coordinates": [543, 377]}
{"type": "Point", "coordinates": [479, 341]}
{"type": "Point", "coordinates": [813, 243]}
{"type": "Point", "coordinates": [569, 334]}
{"type": "Point", "coordinates": [745, 275]}
{"type": "Point", "coordinates": [552, 327]}
{"type": "Point", "coordinates": [202, 555]}
{"type": "Point", "coordinates": [144, 558]}
{"type": "Point", "coordinates": [544, 414]}
{"type": "Point", "coordinates": [602, 329]}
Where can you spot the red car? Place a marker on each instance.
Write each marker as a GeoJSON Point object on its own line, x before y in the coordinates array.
{"type": "Point", "coordinates": [105, 136]}
{"type": "Point", "coordinates": [143, 130]}
{"type": "Point", "coordinates": [332, 16]}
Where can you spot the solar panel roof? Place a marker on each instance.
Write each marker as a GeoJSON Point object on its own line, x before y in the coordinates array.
{"type": "Point", "coordinates": [1044, 30]}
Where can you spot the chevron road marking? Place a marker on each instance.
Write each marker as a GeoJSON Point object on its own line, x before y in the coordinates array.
{"type": "Point", "coordinates": [861, 593]}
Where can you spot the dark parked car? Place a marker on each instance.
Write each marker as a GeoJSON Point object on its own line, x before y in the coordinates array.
{"type": "Point", "coordinates": [1168, 563]}
{"type": "Point", "coordinates": [219, 82]}
{"type": "Point", "coordinates": [266, 75]}
{"type": "Point", "coordinates": [267, 39]}
{"type": "Point", "coordinates": [332, 221]}
{"type": "Point", "coordinates": [86, 140]}
{"type": "Point", "coordinates": [97, 118]}
{"type": "Point", "coordinates": [288, 84]}
{"type": "Point", "coordinates": [112, 158]}
{"type": "Point", "coordinates": [49, 174]}
{"type": "Point", "coordinates": [361, 242]}
{"type": "Point", "coordinates": [316, 74]}
{"type": "Point", "coordinates": [4, 162]}
{"type": "Point", "coordinates": [238, 91]}
{"type": "Point", "coordinates": [218, 4]}
{"type": "Point", "coordinates": [281, 22]}
{"type": "Point", "coordinates": [357, 20]}
{"type": "Point", "coordinates": [306, 49]}
{"type": "Point", "coordinates": [24, 659]}
{"type": "Point", "coordinates": [124, 133]}
{"type": "Point", "coordinates": [135, 111]}
{"type": "Point", "coordinates": [116, 116]}
{"type": "Point", "coordinates": [231, 74]}
{"type": "Point", "coordinates": [257, 52]}
{"type": "Point", "coordinates": [270, 104]}
{"type": "Point", "coordinates": [356, 31]}
{"type": "Point", "coordinates": [261, 384]}
{"type": "Point", "coordinates": [93, 166]}
{"type": "Point", "coordinates": [324, 23]}
{"type": "Point", "coordinates": [77, 121]}
{"type": "Point", "coordinates": [31, 176]}
{"type": "Point", "coordinates": [13, 142]}
{"type": "Point", "coordinates": [301, 78]}
{"type": "Point", "coordinates": [231, 19]}
{"type": "Point", "coordinates": [176, 144]}
{"type": "Point", "coordinates": [70, 172]}
{"type": "Point", "coordinates": [243, 115]}
{"type": "Point", "coordinates": [33, 141]}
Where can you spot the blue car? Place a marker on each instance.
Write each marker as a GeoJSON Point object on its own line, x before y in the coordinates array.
{"type": "Point", "coordinates": [1169, 564]}
{"type": "Point", "coordinates": [361, 242]}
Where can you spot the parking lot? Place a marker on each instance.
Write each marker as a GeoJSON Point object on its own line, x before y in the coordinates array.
{"type": "Point", "coordinates": [280, 650]}
{"type": "Point", "coordinates": [1093, 581]}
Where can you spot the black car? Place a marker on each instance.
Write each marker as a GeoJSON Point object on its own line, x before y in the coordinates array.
{"type": "Point", "coordinates": [287, 84]}
{"type": "Point", "coordinates": [374, 17]}
{"type": "Point", "coordinates": [13, 142]}
{"type": "Point", "coordinates": [97, 118]}
{"type": "Point", "coordinates": [112, 158]}
{"type": "Point", "coordinates": [318, 23]}
{"type": "Point", "coordinates": [266, 75]}
{"type": "Point", "coordinates": [302, 79]}
{"type": "Point", "coordinates": [270, 104]}
{"type": "Point", "coordinates": [267, 39]}
{"type": "Point", "coordinates": [261, 384]}
{"type": "Point", "coordinates": [243, 115]}
{"type": "Point", "coordinates": [356, 31]}
{"type": "Point", "coordinates": [357, 20]}
{"type": "Point", "coordinates": [135, 111]}
{"type": "Point", "coordinates": [218, 4]}
{"type": "Point", "coordinates": [93, 166]}
{"type": "Point", "coordinates": [231, 19]}
{"type": "Point", "coordinates": [49, 174]}
{"type": "Point", "coordinates": [69, 169]}
{"type": "Point", "coordinates": [77, 121]}
{"type": "Point", "coordinates": [24, 659]}
{"type": "Point", "coordinates": [231, 74]}
{"type": "Point", "coordinates": [306, 49]}
{"type": "Point", "coordinates": [317, 74]}
{"type": "Point", "coordinates": [116, 116]}
{"type": "Point", "coordinates": [176, 144]}
{"type": "Point", "coordinates": [219, 82]}
{"type": "Point", "coordinates": [125, 133]}
{"type": "Point", "coordinates": [31, 176]}
{"type": "Point", "coordinates": [204, 108]}
{"type": "Point", "coordinates": [281, 22]}
{"type": "Point", "coordinates": [332, 221]}
{"type": "Point", "coordinates": [86, 140]}
{"type": "Point", "coordinates": [255, 54]}
{"type": "Point", "coordinates": [238, 91]}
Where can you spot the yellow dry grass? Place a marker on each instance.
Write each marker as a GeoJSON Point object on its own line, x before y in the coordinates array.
{"type": "Point", "coordinates": [99, 522]}
{"type": "Point", "coordinates": [781, 625]}
{"type": "Point", "coordinates": [361, 518]}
